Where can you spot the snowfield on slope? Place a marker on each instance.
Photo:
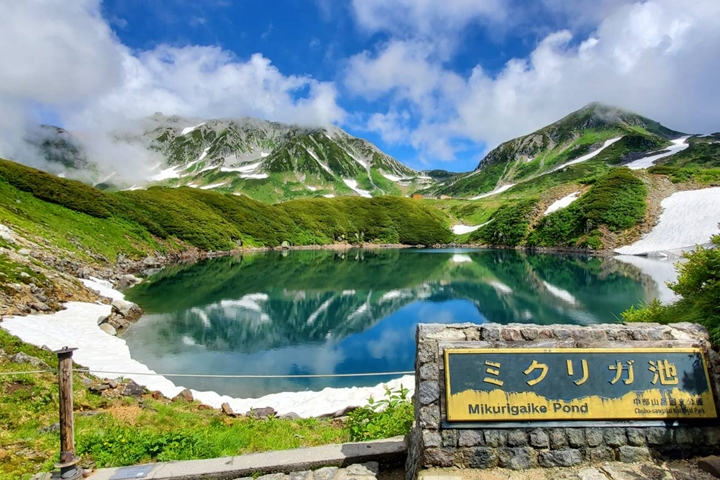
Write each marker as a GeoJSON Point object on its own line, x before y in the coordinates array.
{"type": "Point", "coordinates": [353, 184]}
{"type": "Point", "coordinates": [562, 203]}
{"type": "Point", "coordinates": [494, 192]}
{"type": "Point", "coordinates": [688, 219]}
{"type": "Point", "coordinates": [678, 145]}
{"type": "Point", "coordinates": [587, 157]}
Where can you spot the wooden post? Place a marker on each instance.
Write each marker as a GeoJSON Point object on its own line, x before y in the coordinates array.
{"type": "Point", "coordinates": [68, 461]}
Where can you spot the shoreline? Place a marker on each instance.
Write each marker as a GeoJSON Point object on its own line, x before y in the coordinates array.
{"type": "Point", "coordinates": [77, 326]}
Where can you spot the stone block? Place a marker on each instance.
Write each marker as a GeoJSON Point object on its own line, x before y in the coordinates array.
{"type": "Point", "coordinates": [558, 440]}
{"type": "Point", "coordinates": [495, 438]}
{"type": "Point", "coordinates": [438, 457]}
{"type": "Point", "coordinates": [529, 333]}
{"type": "Point", "coordinates": [636, 437]}
{"type": "Point", "coordinates": [472, 334]}
{"type": "Point", "coordinates": [575, 437]}
{"type": "Point", "coordinates": [628, 454]}
{"type": "Point", "coordinates": [520, 458]}
{"type": "Point", "coordinates": [539, 439]}
{"type": "Point", "coordinates": [657, 436]}
{"type": "Point", "coordinates": [712, 436]}
{"type": "Point", "coordinates": [470, 438]}
{"type": "Point", "coordinates": [304, 475]}
{"type": "Point", "coordinates": [427, 352]}
{"type": "Point", "coordinates": [614, 437]}
{"type": "Point", "coordinates": [600, 454]}
{"type": "Point", "coordinates": [517, 438]}
{"type": "Point", "coordinates": [449, 438]}
{"type": "Point", "coordinates": [429, 371]}
{"type": "Point", "coordinates": [429, 417]}
{"type": "Point", "coordinates": [511, 334]}
{"type": "Point", "coordinates": [682, 435]}
{"type": "Point", "coordinates": [481, 457]}
{"type": "Point", "coordinates": [593, 436]}
{"type": "Point", "coordinates": [560, 458]}
{"type": "Point", "coordinates": [431, 438]}
{"type": "Point", "coordinates": [428, 392]}
{"type": "Point", "coordinates": [490, 332]}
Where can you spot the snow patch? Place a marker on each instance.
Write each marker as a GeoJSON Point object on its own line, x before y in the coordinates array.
{"type": "Point", "coordinates": [463, 229]}
{"type": "Point", "coordinates": [264, 154]}
{"type": "Point", "coordinates": [187, 130]}
{"type": "Point", "coordinates": [244, 168]}
{"type": "Point", "coordinates": [688, 219]}
{"type": "Point", "coordinates": [134, 187]}
{"type": "Point", "coordinates": [501, 287]}
{"type": "Point", "coordinates": [460, 258]}
{"type": "Point", "coordinates": [678, 145]}
{"type": "Point", "coordinates": [563, 295]}
{"type": "Point", "coordinates": [494, 192]}
{"type": "Point", "coordinates": [587, 157]}
{"type": "Point", "coordinates": [562, 203]}
{"type": "Point", "coordinates": [254, 175]}
{"type": "Point", "coordinates": [172, 172]}
{"type": "Point", "coordinates": [202, 155]}
{"type": "Point", "coordinates": [103, 288]}
{"type": "Point", "coordinates": [61, 175]}
{"type": "Point", "coordinates": [392, 178]}
{"type": "Point", "coordinates": [312, 189]}
{"type": "Point", "coordinates": [329, 195]}
{"type": "Point", "coordinates": [317, 159]}
{"type": "Point", "coordinates": [662, 271]}
{"type": "Point", "coordinates": [212, 185]}
{"type": "Point", "coordinates": [353, 184]}
{"type": "Point", "coordinates": [209, 167]}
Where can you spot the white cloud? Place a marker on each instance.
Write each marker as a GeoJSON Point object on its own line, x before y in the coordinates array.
{"type": "Point", "coordinates": [63, 56]}
{"type": "Point", "coordinates": [654, 57]}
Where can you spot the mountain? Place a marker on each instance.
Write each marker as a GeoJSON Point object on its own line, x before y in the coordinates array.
{"type": "Point", "coordinates": [598, 131]}
{"type": "Point", "coordinates": [270, 161]}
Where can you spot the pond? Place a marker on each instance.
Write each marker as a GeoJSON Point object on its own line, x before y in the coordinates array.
{"type": "Point", "coordinates": [355, 311]}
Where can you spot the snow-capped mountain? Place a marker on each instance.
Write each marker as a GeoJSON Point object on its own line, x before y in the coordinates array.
{"type": "Point", "coordinates": [271, 161]}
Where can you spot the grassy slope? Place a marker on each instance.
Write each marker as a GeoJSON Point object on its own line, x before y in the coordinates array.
{"type": "Point", "coordinates": [136, 222]}
{"type": "Point", "coordinates": [125, 431]}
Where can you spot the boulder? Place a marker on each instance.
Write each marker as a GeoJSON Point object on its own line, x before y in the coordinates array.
{"type": "Point", "coordinates": [184, 396]}
{"type": "Point", "coordinates": [109, 329]}
{"type": "Point", "coordinates": [7, 234]}
{"type": "Point", "coordinates": [127, 281]}
{"type": "Point", "coordinates": [227, 409]}
{"type": "Point", "coordinates": [261, 413]}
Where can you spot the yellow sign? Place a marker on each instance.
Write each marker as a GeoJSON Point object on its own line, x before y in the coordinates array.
{"type": "Point", "coordinates": [576, 384]}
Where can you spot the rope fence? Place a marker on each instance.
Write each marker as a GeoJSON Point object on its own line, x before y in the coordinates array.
{"type": "Point", "coordinates": [202, 375]}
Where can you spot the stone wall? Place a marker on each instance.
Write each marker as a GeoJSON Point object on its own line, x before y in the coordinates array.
{"type": "Point", "coordinates": [431, 445]}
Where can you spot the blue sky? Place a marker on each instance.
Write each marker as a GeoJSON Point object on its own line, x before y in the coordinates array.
{"type": "Point", "coordinates": [434, 83]}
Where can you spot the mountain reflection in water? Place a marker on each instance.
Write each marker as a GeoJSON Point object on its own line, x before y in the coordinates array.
{"type": "Point", "coordinates": [322, 312]}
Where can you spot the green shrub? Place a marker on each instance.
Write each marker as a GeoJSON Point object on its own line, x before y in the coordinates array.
{"type": "Point", "coordinates": [509, 225]}
{"type": "Point", "coordinates": [699, 285]}
{"type": "Point", "coordinates": [393, 415]}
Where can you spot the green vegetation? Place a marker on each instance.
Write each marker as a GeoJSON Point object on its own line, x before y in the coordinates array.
{"type": "Point", "coordinates": [125, 431]}
{"type": "Point", "coordinates": [616, 201]}
{"type": "Point", "coordinates": [699, 285]}
{"type": "Point", "coordinates": [509, 226]}
{"type": "Point", "coordinates": [139, 221]}
{"type": "Point", "coordinates": [390, 416]}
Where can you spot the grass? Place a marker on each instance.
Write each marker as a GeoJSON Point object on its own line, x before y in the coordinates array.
{"type": "Point", "coordinates": [123, 431]}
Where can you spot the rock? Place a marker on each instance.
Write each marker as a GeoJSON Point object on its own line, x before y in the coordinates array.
{"type": "Point", "coordinates": [470, 438]}
{"type": "Point", "coordinates": [132, 389]}
{"type": "Point", "coordinates": [111, 383]}
{"type": "Point", "coordinates": [290, 416]}
{"type": "Point", "coordinates": [7, 234]}
{"type": "Point", "coordinates": [325, 473]}
{"type": "Point", "coordinates": [628, 454]}
{"type": "Point", "coordinates": [127, 309]}
{"type": "Point", "coordinates": [54, 428]}
{"type": "Point", "coordinates": [428, 392]}
{"type": "Point", "coordinates": [109, 329]}
{"type": "Point", "coordinates": [126, 281]}
{"type": "Point", "coordinates": [21, 357]}
{"type": "Point", "coordinates": [156, 394]}
{"type": "Point", "coordinates": [3, 454]}
{"type": "Point", "coordinates": [285, 244]}
{"type": "Point", "coordinates": [261, 413]}
{"type": "Point", "coordinates": [202, 406]}
{"type": "Point", "coordinates": [99, 388]}
{"type": "Point", "coordinates": [23, 251]}
{"type": "Point", "coordinates": [710, 464]}
{"type": "Point", "coordinates": [227, 410]}
{"type": "Point", "coordinates": [273, 476]}
{"type": "Point", "coordinates": [591, 474]}
{"type": "Point", "coordinates": [358, 469]}
{"type": "Point", "coordinates": [184, 396]}
{"type": "Point", "coordinates": [560, 458]}
{"type": "Point", "coordinates": [304, 475]}
{"type": "Point", "coordinates": [343, 412]}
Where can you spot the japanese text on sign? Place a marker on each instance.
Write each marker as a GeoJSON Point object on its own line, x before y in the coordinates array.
{"type": "Point", "coordinates": [573, 384]}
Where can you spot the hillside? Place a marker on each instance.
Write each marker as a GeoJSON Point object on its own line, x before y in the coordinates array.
{"type": "Point", "coordinates": [596, 131]}
{"type": "Point", "coordinates": [266, 161]}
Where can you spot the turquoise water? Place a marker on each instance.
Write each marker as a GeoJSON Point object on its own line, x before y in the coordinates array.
{"type": "Point", "coordinates": [321, 312]}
